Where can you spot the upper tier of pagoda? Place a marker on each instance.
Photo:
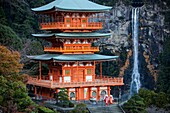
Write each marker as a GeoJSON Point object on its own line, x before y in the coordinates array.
{"type": "Point", "coordinates": [71, 16]}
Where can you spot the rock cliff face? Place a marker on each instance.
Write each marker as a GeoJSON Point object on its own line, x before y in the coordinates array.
{"type": "Point", "coordinates": [152, 32]}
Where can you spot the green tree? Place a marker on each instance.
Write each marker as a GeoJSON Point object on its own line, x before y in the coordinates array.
{"type": "Point", "coordinates": [148, 96]}
{"type": "Point", "coordinates": [80, 108]}
{"type": "Point", "coordinates": [163, 82]}
{"type": "Point", "coordinates": [154, 99]}
{"type": "Point", "coordinates": [13, 95]}
{"type": "Point", "coordinates": [135, 105]}
{"type": "Point", "coordinates": [161, 100]}
{"type": "Point", "coordinates": [13, 92]}
{"type": "Point", "coordinates": [9, 38]}
{"type": "Point", "coordinates": [62, 97]}
{"type": "Point", "coordinates": [3, 19]}
{"type": "Point", "coordinates": [9, 64]}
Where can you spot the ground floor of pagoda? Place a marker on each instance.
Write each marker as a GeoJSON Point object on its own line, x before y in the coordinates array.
{"type": "Point", "coordinates": [78, 93]}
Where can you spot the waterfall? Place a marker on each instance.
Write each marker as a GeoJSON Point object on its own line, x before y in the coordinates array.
{"type": "Point", "coordinates": [135, 83]}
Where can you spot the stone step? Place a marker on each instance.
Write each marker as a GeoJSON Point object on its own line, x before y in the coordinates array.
{"type": "Point", "coordinates": [105, 109]}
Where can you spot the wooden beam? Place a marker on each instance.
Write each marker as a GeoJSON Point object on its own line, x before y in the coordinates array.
{"type": "Point", "coordinates": [108, 90]}
{"type": "Point", "coordinates": [100, 70]}
{"type": "Point", "coordinates": [94, 68]}
{"type": "Point", "coordinates": [77, 70]}
{"type": "Point", "coordinates": [40, 69]}
{"type": "Point", "coordinates": [98, 93]}
{"type": "Point", "coordinates": [35, 92]}
{"type": "Point", "coordinates": [63, 74]}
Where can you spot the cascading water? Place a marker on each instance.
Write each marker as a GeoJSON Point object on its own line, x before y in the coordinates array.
{"type": "Point", "coordinates": [135, 83]}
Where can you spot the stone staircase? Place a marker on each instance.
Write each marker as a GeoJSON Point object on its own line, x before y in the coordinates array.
{"type": "Point", "coordinates": [105, 109]}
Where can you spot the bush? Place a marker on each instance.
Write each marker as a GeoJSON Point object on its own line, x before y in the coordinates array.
{"type": "Point", "coordinates": [135, 105]}
{"type": "Point", "coordinates": [71, 104]}
{"type": "Point", "coordinates": [80, 108]}
{"type": "Point", "coordinates": [42, 109]}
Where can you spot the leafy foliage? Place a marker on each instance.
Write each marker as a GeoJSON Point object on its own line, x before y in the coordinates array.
{"type": "Point", "coordinates": [163, 82]}
{"type": "Point", "coordinates": [80, 108]}
{"type": "Point", "coordinates": [9, 64]}
{"type": "Point", "coordinates": [149, 96]}
{"type": "Point", "coordinates": [14, 95]}
{"type": "Point", "coordinates": [62, 98]}
{"type": "Point", "coordinates": [42, 109]}
{"type": "Point", "coordinates": [135, 105]}
{"type": "Point", "coordinates": [13, 92]}
{"type": "Point", "coordinates": [144, 99]}
{"type": "Point", "coordinates": [3, 19]}
{"type": "Point", "coordinates": [9, 38]}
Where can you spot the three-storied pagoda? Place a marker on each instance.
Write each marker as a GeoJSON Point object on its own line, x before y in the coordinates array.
{"type": "Point", "coordinates": [70, 26]}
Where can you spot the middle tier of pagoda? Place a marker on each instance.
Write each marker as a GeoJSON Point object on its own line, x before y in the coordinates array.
{"type": "Point", "coordinates": [72, 43]}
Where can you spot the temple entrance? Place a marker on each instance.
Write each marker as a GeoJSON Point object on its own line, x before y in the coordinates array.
{"type": "Point", "coordinates": [103, 93]}
{"type": "Point", "coordinates": [72, 96]}
{"type": "Point", "coordinates": [94, 94]}
{"type": "Point", "coordinates": [81, 75]}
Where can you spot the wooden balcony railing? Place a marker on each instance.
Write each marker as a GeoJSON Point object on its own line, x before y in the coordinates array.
{"type": "Point", "coordinates": [71, 26]}
{"type": "Point", "coordinates": [71, 49]}
{"type": "Point", "coordinates": [104, 81]}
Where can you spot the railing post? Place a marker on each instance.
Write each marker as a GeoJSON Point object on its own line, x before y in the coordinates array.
{"type": "Point", "coordinates": [100, 70]}
{"type": "Point", "coordinates": [51, 81]}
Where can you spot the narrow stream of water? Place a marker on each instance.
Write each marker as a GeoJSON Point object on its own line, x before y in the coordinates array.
{"type": "Point", "coordinates": [135, 83]}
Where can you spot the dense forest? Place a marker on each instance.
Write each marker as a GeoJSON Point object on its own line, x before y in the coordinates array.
{"type": "Point", "coordinates": [18, 22]}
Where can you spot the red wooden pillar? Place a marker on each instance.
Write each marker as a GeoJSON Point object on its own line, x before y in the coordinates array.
{"type": "Point", "coordinates": [72, 75]}
{"type": "Point", "coordinates": [108, 90]}
{"type": "Point", "coordinates": [94, 63]}
{"type": "Point", "coordinates": [68, 93]}
{"type": "Point", "coordinates": [98, 93]}
{"type": "Point", "coordinates": [77, 71]}
{"type": "Point", "coordinates": [90, 92]}
{"type": "Point", "coordinates": [77, 93]}
{"type": "Point", "coordinates": [100, 70]}
{"type": "Point", "coordinates": [35, 92]}
{"type": "Point", "coordinates": [63, 72]}
{"type": "Point", "coordinates": [40, 69]}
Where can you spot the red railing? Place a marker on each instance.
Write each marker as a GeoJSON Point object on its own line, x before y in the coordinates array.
{"type": "Point", "coordinates": [62, 25]}
{"type": "Point", "coordinates": [71, 49]}
{"type": "Point", "coordinates": [104, 81]}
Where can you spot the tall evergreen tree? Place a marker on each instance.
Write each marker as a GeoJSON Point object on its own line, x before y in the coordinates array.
{"type": "Point", "coordinates": [163, 82]}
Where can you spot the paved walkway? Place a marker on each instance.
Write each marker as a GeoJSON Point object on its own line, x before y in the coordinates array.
{"type": "Point", "coordinates": [100, 107]}
{"type": "Point", "coordinates": [105, 109]}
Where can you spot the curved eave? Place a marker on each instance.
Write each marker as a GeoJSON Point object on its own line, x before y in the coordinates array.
{"type": "Point", "coordinates": [83, 34]}
{"type": "Point", "coordinates": [71, 35]}
{"type": "Point", "coordinates": [72, 5]}
{"type": "Point", "coordinates": [71, 10]}
{"type": "Point", "coordinates": [72, 57]}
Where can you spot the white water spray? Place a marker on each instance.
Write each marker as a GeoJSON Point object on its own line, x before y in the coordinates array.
{"type": "Point", "coordinates": [135, 83]}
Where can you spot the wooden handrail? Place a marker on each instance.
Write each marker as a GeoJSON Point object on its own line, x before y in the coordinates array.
{"type": "Point", "coordinates": [68, 49]}
{"type": "Point", "coordinates": [97, 82]}
{"type": "Point", "coordinates": [62, 25]}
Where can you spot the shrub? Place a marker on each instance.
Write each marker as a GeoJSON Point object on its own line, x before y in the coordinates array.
{"type": "Point", "coordinates": [71, 104]}
{"type": "Point", "coordinates": [42, 109]}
